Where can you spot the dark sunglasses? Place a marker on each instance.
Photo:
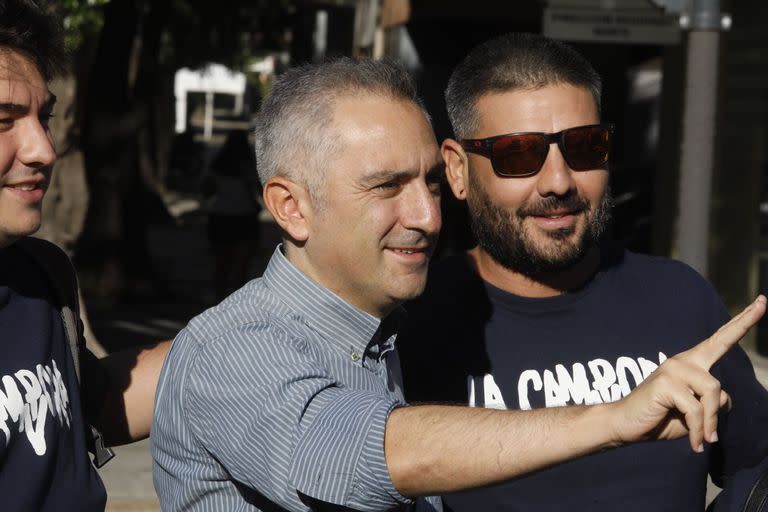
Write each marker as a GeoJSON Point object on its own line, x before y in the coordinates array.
{"type": "Point", "coordinates": [523, 154]}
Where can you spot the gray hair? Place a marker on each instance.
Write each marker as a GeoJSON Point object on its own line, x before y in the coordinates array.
{"type": "Point", "coordinates": [293, 135]}
{"type": "Point", "coordinates": [513, 62]}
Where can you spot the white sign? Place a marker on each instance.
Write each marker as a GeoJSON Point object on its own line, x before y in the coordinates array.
{"type": "Point", "coordinates": [635, 26]}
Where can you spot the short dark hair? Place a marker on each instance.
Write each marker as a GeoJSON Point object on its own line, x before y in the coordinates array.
{"type": "Point", "coordinates": [292, 126]}
{"type": "Point", "coordinates": [34, 28]}
{"type": "Point", "coordinates": [512, 62]}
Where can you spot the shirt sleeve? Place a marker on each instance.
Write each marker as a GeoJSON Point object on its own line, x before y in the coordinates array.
{"type": "Point", "coordinates": [282, 425]}
{"type": "Point", "coordinates": [743, 431]}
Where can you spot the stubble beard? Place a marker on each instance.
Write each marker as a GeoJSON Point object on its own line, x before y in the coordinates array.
{"type": "Point", "coordinates": [503, 235]}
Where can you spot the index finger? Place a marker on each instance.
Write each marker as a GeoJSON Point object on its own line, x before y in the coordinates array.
{"type": "Point", "coordinates": [709, 351]}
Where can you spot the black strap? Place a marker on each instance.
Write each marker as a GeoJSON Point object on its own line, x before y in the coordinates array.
{"type": "Point", "coordinates": [61, 275]}
{"type": "Point", "coordinates": [758, 497]}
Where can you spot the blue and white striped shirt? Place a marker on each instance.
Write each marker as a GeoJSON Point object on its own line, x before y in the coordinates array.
{"type": "Point", "coordinates": [276, 399]}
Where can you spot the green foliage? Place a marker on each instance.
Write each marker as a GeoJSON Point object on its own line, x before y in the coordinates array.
{"type": "Point", "coordinates": [226, 31]}
{"type": "Point", "coordinates": [82, 18]}
{"type": "Point", "coordinates": [195, 31]}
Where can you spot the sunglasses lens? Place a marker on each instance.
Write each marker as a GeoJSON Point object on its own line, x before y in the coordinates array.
{"type": "Point", "coordinates": [586, 147]}
{"type": "Point", "coordinates": [519, 155]}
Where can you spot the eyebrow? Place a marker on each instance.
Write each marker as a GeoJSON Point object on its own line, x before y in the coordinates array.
{"type": "Point", "coordinates": [19, 109]}
{"type": "Point", "coordinates": [14, 108]}
{"type": "Point", "coordinates": [385, 175]}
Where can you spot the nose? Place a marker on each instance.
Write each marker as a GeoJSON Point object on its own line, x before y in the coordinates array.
{"type": "Point", "coordinates": [36, 148]}
{"type": "Point", "coordinates": [422, 211]}
{"type": "Point", "coordinates": [555, 177]}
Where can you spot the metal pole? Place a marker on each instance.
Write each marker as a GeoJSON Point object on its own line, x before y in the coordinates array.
{"type": "Point", "coordinates": [208, 126]}
{"type": "Point", "coordinates": [697, 149]}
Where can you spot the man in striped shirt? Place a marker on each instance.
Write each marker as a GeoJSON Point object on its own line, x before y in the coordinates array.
{"type": "Point", "coordinates": [286, 396]}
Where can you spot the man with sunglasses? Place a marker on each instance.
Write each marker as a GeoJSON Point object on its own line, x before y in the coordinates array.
{"type": "Point", "coordinates": [541, 314]}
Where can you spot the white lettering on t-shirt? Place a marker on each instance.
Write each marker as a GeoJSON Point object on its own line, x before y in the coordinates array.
{"type": "Point", "coordinates": [605, 383]}
{"type": "Point", "coordinates": [492, 397]}
{"type": "Point", "coordinates": [28, 400]}
{"type": "Point", "coordinates": [527, 376]}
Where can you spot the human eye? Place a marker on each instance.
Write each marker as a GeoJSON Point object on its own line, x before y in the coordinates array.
{"type": "Point", "coordinates": [388, 187]}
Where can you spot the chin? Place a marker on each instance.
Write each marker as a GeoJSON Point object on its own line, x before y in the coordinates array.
{"type": "Point", "coordinates": [20, 230]}
{"type": "Point", "coordinates": [410, 292]}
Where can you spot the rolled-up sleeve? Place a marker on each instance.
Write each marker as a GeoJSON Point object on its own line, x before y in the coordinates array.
{"type": "Point", "coordinates": [283, 426]}
{"type": "Point", "coordinates": [339, 457]}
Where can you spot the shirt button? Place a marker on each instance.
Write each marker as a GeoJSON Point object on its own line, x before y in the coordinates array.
{"type": "Point", "coordinates": [355, 356]}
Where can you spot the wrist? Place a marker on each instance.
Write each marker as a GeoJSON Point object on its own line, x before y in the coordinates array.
{"type": "Point", "coordinates": [604, 421]}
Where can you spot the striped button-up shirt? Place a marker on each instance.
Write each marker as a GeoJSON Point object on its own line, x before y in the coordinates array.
{"type": "Point", "coordinates": [277, 399]}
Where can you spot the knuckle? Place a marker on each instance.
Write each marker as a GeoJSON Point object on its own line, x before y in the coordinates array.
{"type": "Point", "coordinates": [697, 408]}
{"type": "Point", "coordinates": [712, 386]}
{"type": "Point", "coordinates": [662, 379]}
{"type": "Point", "coordinates": [675, 363]}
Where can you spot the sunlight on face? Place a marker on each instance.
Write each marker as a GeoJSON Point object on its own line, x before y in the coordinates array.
{"type": "Point", "coordinates": [26, 146]}
{"type": "Point", "coordinates": [547, 221]}
{"type": "Point", "coordinates": [371, 242]}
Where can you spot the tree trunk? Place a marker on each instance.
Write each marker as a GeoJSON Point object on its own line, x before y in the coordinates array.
{"type": "Point", "coordinates": [112, 119]}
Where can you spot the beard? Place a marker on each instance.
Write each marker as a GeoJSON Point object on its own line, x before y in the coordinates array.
{"type": "Point", "coordinates": [503, 235]}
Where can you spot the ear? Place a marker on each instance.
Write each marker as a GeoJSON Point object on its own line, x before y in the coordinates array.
{"type": "Point", "coordinates": [456, 167]}
{"type": "Point", "coordinates": [290, 205]}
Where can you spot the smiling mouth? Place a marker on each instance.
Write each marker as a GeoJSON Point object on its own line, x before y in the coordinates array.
{"type": "Point", "coordinates": [558, 215]}
{"type": "Point", "coordinates": [412, 252]}
{"type": "Point", "coordinates": [27, 187]}
{"type": "Point", "coordinates": [29, 192]}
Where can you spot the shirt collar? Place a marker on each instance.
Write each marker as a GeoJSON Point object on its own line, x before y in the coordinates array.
{"type": "Point", "coordinates": [338, 321]}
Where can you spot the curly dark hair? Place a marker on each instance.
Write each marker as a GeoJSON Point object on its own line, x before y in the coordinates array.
{"type": "Point", "coordinates": [34, 27]}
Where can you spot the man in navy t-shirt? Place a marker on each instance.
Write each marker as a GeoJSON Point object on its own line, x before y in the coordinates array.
{"type": "Point", "coordinates": [540, 314]}
{"type": "Point", "coordinates": [44, 417]}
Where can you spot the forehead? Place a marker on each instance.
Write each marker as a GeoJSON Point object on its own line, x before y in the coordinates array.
{"type": "Point", "coordinates": [20, 80]}
{"type": "Point", "coordinates": [383, 133]}
{"type": "Point", "coordinates": [547, 109]}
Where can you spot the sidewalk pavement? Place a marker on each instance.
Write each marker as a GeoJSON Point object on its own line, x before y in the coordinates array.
{"type": "Point", "coordinates": [182, 257]}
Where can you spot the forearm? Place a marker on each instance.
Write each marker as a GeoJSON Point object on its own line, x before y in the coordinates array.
{"type": "Point", "coordinates": [438, 449]}
{"type": "Point", "coordinates": [132, 375]}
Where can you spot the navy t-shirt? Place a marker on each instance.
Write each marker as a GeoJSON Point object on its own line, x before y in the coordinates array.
{"type": "Point", "coordinates": [468, 342]}
{"type": "Point", "coordinates": [44, 464]}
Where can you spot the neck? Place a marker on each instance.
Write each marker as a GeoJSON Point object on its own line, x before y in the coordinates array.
{"type": "Point", "coordinates": [549, 285]}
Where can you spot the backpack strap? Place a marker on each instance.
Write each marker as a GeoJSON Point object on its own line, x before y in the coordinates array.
{"type": "Point", "coordinates": [758, 497]}
{"type": "Point", "coordinates": [61, 274]}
